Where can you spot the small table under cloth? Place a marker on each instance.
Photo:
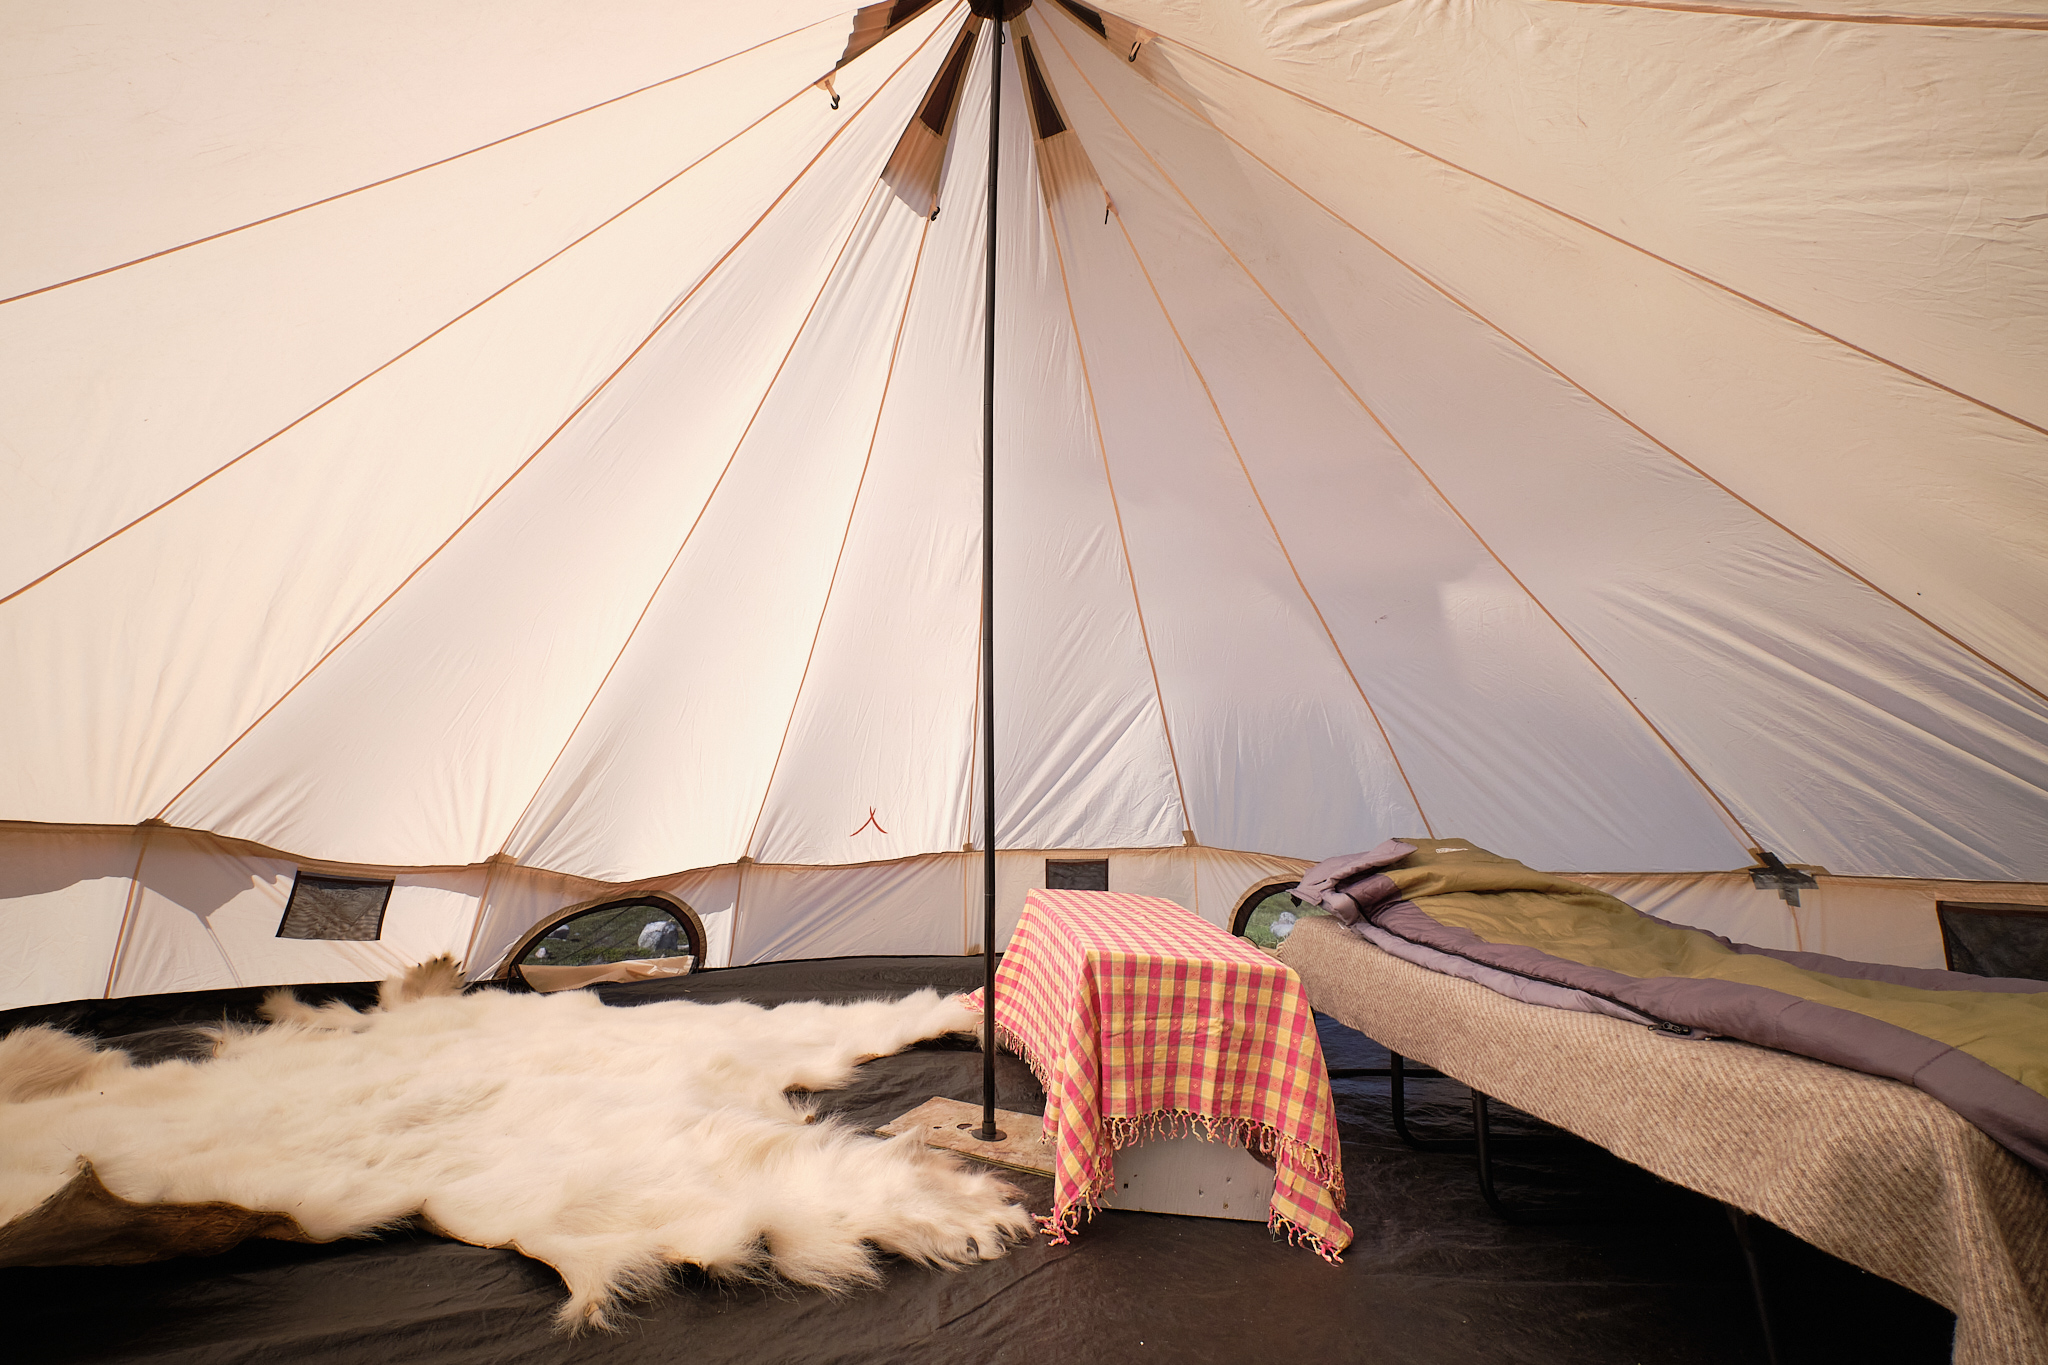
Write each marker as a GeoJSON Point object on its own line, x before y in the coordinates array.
{"type": "Point", "coordinates": [1865, 1168]}
{"type": "Point", "coordinates": [1141, 1021]}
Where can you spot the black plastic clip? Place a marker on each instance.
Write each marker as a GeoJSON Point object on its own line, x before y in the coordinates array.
{"type": "Point", "coordinates": [1775, 876]}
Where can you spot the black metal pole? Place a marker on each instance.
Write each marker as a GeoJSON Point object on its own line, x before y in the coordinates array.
{"type": "Point", "coordinates": [988, 1131]}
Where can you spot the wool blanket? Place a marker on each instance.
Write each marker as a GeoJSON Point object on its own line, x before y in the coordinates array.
{"type": "Point", "coordinates": [610, 1143]}
{"type": "Point", "coordinates": [1977, 1044]}
{"type": "Point", "coordinates": [1142, 1020]}
{"type": "Point", "coordinates": [1867, 1169]}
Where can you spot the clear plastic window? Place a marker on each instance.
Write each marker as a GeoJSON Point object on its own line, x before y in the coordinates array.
{"type": "Point", "coordinates": [1268, 915]}
{"type": "Point", "coordinates": [632, 932]}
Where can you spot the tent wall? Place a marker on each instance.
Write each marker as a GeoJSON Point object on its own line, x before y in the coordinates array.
{"type": "Point", "coordinates": [93, 911]}
{"type": "Point", "coordinates": [202, 912]}
{"type": "Point", "coordinates": [62, 893]}
{"type": "Point", "coordinates": [1866, 919]}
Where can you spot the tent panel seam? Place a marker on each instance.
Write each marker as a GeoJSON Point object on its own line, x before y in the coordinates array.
{"type": "Point", "coordinates": [846, 535]}
{"type": "Point", "coordinates": [1370, 412]}
{"type": "Point", "coordinates": [689, 534]}
{"type": "Point", "coordinates": [668, 316]}
{"type": "Point", "coordinates": [1640, 430]}
{"type": "Point", "coordinates": [1273, 527]}
{"type": "Point", "coordinates": [1702, 277]}
{"type": "Point", "coordinates": [401, 175]}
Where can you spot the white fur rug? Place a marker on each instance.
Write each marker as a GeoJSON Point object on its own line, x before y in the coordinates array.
{"type": "Point", "coordinates": [609, 1143]}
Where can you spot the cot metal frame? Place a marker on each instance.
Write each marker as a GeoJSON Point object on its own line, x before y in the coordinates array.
{"type": "Point", "coordinates": [1482, 1144]}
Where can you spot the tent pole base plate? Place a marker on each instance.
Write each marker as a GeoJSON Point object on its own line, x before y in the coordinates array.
{"type": "Point", "coordinates": [951, 1125]}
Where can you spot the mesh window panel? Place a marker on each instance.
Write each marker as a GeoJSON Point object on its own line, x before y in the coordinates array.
{"type": "Point", "coordinates": [335, 908]}
{"type": "Point", "coordinates": [1995, 940]}
{"type": "Point", "coordinates": [1092, 875]}
{"type": "Point", "coordinates": [611, 933]}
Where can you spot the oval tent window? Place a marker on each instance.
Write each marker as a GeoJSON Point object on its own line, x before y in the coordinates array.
{"type": "Point", "coordinates": [1268, 915]}
{"type": "Point", "coordinates": [579, 948]}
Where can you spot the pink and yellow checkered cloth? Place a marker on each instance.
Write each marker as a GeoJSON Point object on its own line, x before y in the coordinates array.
{"type": "Point", "coordinates": [1141, 1020]}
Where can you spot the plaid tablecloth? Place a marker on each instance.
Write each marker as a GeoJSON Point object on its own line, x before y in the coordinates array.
{"type": "Point", "coordinates": [1144, 1021]}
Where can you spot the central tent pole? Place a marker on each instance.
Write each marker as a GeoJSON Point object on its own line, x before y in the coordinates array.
{"type": "Point", "coordinates": [988, 1131]}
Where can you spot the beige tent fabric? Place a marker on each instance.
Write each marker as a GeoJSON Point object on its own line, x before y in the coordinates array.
{"type": "Point", "coordinates": [532, 441]}
{"type": "Point", "coordinates": [1867, 1169]}
{"type": "Point", "coordinates": [197, 911]}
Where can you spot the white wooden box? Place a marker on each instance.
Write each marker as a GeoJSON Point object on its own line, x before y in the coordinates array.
{"type": "Point", "coordinates": [1191, 1175]}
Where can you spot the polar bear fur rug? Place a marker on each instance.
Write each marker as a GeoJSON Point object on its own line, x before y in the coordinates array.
{"type": "Point", "coordinates": [610, 1143]}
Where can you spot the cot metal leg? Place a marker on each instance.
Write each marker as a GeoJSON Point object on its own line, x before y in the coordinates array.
{"type": "Point", "coordinates": [1743, 1223]}
{"type": "Point", "coordinates": [1397, 1077]}
{"type": "Point", "coordinates": [1745, 1233]}
{"type": "Point", "coordinates": [1398, 1074]}
{"type": "Point", "coordinates": [1482, 1134]}
{"type": "Point", "coordinates": [1483, 1143]}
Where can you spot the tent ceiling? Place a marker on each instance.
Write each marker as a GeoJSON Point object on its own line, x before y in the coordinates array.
{"type": "Point", "coordinates": [1610, 432]}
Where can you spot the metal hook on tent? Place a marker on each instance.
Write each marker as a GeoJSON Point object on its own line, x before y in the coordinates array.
{"type": "Point", "coordinates": [835, 101]}
{"type": "Point", "coordinates": [1134, 50]}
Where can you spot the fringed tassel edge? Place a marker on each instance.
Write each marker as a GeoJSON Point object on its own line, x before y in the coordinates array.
{"type": "Point", "coordinates": [1300, 1236]}
{"type": "Point", "coordinates": [1258, 1138]}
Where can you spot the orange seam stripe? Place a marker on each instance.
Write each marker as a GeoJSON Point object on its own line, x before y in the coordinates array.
{"type": "Point", "coordinates": [971, 900]}
{"type": "Point", "coordinates": [1116, 509]}
{"type": "Point", "coordinates": [1623, 241]}
{"type": "Point", "coordinates": [673, 309]}
{"type": "Point", "coordinates": [1811, 16]}
{"type": "Point", "coordinates": [483, 914]}
{"type": "Point", "coordinates": [852, 511]}
{"type": "Point", "coordinates": [1533, 354]}
{"type": "Point", "coordinates": [343, 393]}
{"type": "Point", "coordinates": [483, 147]}
{"type": "Point", "coordinates": [973, 745]}
{"type": "Point", "coordinates": [127, 913]}
{"type": "Point", "coordinates": [1272, 526]}
{"type": "Point", "coordinates": [695, 522]}
{"type": "Point", "coordinates": [1413, 462]}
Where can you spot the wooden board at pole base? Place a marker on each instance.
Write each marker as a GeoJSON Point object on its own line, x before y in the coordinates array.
{"type": "Point", "coordinates": [952, 1124]}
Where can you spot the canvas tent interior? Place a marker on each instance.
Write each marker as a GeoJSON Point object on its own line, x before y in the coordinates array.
{"type": "Point", "coordinates": [528, 454]}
